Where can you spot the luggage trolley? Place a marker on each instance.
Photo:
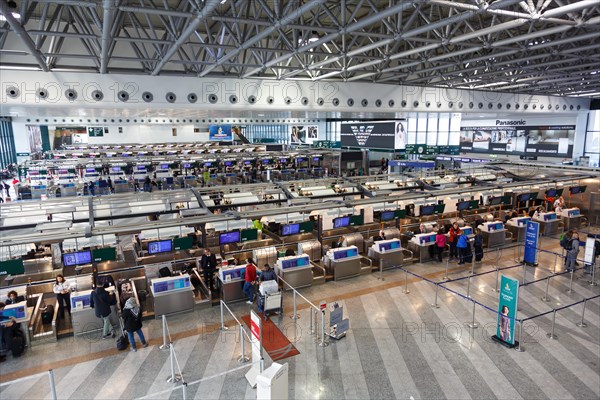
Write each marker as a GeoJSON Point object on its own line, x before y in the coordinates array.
{"type": "Point", "coordinates": [270, 298]}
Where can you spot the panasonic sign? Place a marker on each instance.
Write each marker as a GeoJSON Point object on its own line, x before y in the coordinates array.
{"type": "Point", "coordinates": [510, 123]}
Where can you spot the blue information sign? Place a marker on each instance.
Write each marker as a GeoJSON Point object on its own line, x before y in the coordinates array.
{"type": "Point", "coordinates": [507, 307]}
{"type": "Point", "coordinates": [531, 242]}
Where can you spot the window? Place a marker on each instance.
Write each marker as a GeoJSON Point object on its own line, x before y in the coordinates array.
{"type": "Point", "coordinates": [8, 154]}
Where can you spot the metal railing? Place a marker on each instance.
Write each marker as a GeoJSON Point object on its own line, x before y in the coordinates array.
{"type": "Point", "coordinates": [242, 358]}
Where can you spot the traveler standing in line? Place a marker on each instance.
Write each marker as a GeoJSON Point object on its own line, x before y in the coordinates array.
{"type": "Point", "coordinates": [572, 248]}
{"type": "Point", "coordinates": [63, 295]}
{"type": "Point", "coordinates": [462, 244]}
{"type": "Point", "coordinates": [208, 262]}
{"type": "Point", "coordinates": [132, 321]}
{"type": "Point", "coordinates": [101, 302]}
{"type": "Point", "coordinates": [454, 234]}
{"type": "Point", "coordinates": [478, 245]}
{"type": "Point", "coordinates": [440, 243]}
{"type": "Point", "coordinates": [250, 280]}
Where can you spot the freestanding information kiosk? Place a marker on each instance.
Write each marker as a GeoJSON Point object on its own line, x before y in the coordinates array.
{"type": "Point", "coordinates": [172, 294]}
{"type": "Point", "coordinates": [232, 283]}
{"type": "Point", "coordinates": [343, 262]}
{"type": "Point", "coordinates": [295, 270]}
{"type": "Point", "coordinates": [387, 252]}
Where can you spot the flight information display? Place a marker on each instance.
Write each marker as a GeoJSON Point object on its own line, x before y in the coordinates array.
{"type": "Point", "coordinates": [341, 222]}
{"type": "Point", "coordinates": [290, 229]}
{"type": "Point", "coordinates": [160, 246]}
{"type": "Point", "coordinates": [77, 258]}
{"type": "Point", "coordinates": [229, 237]}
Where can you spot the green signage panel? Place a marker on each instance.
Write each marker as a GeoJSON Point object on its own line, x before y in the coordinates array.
{"type": "Point", "coordinates": [104, 254]}
{"type": "Point", "coordinates": [96, 131]}
{"type": "Point", "coordinates": [307, 226]}
{"type": "Point", "coordinates": [356, 220]}
{"type": "Point", "coordinates": [12, 267]}
{"type": "Point", "coordinates": [400, 214]}
{"type": "Point", "coordinates": [183, 243]}
{"type": "Point", "coordinates": [249, 234]}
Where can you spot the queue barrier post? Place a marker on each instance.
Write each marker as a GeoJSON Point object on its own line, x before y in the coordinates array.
{"type": "Point", "coordinates": [184, 390]}
{"type": "Point", "coordinates": [593, 281]}
{"type": "Point", "coordinates": [545, 298]}
{"type": "Point", "coordinates": [174, 378]}
{"type": "Point", "coordinates": [524, 272]}
{"type": "Point", "coordinates": [223, 327]}
{"type": "Point", "coordinates": [582, 324]}
{"type": "Point", "coordinates": [473, 324]}
{"type": "Point", "coordinates": [295, 316]}
{"type": "Point", "coordinates": [519, 347]}
{"type": "Point", "coordinates": [52, 384]}
{"type": "Point", "coordinates": [469, 287]}
{"type": "Point", "coordinates": [323, 343]}
{"type": "Point", "coordinates": [472, 264]}
{"type": "Point", "coordinates": [446, 278]}
{"type": "Point", "coordinates": [552, 335]}
{"type": "Point", "coordinates": [571, 283]}
{"type": "Point", "coordinates": [435, 302]}
{"type": "Point", "coordinates": [497, 276]}
{"type": "Point", "coordinates": [406, 291]}
{"type": "Point", "coordinates": [165, 344]}
{"type": "Point", "coordinates": [555, 260]}
{"type": "Point", "coordinates": [243, 357]}
{"type": "Point", "coordinates": [310, 329]}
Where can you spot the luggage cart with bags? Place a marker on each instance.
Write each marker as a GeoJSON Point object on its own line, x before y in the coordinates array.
{"type": "Point", "coordinates": [270, 298]}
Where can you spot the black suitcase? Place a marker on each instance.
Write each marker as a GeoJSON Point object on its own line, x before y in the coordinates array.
{"type": "Point", "coordinates": [47, 314]}
{"type": "Point", "coordinates": [165, 272]}
{"type": "Point", "coordinates": [18, 343]}
{"type": "Point", "coordinates": [122, 340]}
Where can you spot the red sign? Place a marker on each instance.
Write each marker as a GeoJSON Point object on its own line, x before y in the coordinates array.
{"type": "Point", "coordinates": [255, 324]}
{"type": "Point", "coordinates": [322, 306]}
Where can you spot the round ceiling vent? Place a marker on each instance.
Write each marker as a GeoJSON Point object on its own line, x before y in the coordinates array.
{"type": "Point", "coordinates": [147, 97]}
{"type": "Point", "coordinates": [71, 94]}
{"type": "Point", "coordinates": [12, 92]}
{"type": "Point", "coordinates": [171, 97]}
{"type": "Point", "coordinates": [320, 101]}
{"type": "Point", "coordinates": [335, 101]}
{"type": "Point", "coordinates": [97, 95]}
{"type": "Point", "coordinates": [252, 99]}
{"type": "Point", "coordinates": [123, 95]}
{"type": "Point", "coordinates": [213, 98]}
{"type": "Point", "coordinates": [192, 97]}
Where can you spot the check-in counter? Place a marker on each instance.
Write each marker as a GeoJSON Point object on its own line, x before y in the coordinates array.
{"type": "Point", "coordinates": [422, 246]}
{"type": "Point", "coordinates": [83, 316]}
{"type": "Point", "coordinates": [571, 218]}
{"type": "Point", "coordinates": [517, 226]}
{"type": "Point", "coordinates": [68, 189]}
{"type": "Point", "coordinates": [494, 233]}
{"type": "Point", "coordinates": [343, 262]}
{"type": "Point", "coordinates": [295, 270]}
{"type": "Point", "coordinates": [22, 315]}
{"type": "Point", "coordinates": [388, 253]}
{"type": "Point", "coordinates": [548, 223]}
{"type": "Point", "coordinates": [38, 191]}
{"type": "Point", "coordinates": [120, 186]}
{"type": "Point", "coordinates": [232, 283]}
{"type": "Point", "coordinates": [172, 294]}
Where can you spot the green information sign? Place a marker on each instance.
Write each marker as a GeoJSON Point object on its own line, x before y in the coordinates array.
{"type": "Point", "coordinates": [327, 144]}
{"type": "Point", "coordinates": [183, 243]}
{"type": "Point", "coordinates": [356, 220]}
{"type": "Point", "coordinates": [96, 131]}
{"type": "Point", "coordinates": [104, 254]}
{"type": "Point", "coordinates": [12, 267]}
{"type": "Point", "coordinates": [507, 308]}
{"type": "Point", "coordinates": [416, 148]}
{"type": "Point", "coordinates": [452, 150]}
{"type": "Point", "coordinates": [23, 154]}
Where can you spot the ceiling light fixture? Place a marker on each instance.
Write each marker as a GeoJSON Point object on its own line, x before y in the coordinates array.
{"type": "Point", "coordinates": [11, 6]}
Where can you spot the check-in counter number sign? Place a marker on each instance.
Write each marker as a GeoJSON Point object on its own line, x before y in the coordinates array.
{"type": "Point", "coordinates": [255, 325]}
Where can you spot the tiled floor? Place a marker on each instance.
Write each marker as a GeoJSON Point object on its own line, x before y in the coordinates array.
{"type": "Point", "coordinates": [398, 346]}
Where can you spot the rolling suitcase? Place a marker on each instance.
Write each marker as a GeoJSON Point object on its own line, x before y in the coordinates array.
{"type": "Point", "coordinates": [18, 343]}
{"type": "Point", "coordinates": [122, 340]}
{"type": "Point", "coordinates": [47, 314]}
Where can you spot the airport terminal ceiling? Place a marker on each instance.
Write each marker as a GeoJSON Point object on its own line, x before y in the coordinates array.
{"type": "Point", "coordinates": [537, 47]}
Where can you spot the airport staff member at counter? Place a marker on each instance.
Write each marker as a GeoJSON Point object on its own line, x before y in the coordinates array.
{"type": "Point", "coordinates": [208, 262]}
{"type": "Point", "coordinates": [14, 298]}
{"type": "Point", "coordinates": [559, 204]}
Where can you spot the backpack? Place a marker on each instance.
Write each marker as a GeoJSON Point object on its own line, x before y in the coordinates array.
{"type": "Point", "coordinates": [563, 240]}
{"type": "Point", "coordinates": [568, 245]}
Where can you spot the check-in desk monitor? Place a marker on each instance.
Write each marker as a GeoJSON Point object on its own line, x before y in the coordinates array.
{"type": "Point", "coordinates": [424, 239]}
{"type": "Point", "coordinates": [17, 311]}
{"type": "Point", "coordinates": [517, 227]}
{"type": "Point", "coordinates": [343, 262]}
{"type": "Point", "coordinates": [570, 212]}
{"type": "Point", "coordinates": [381, 246]}
{"type": "Point", "coordinates": [77, 258]}
{"type": "Point", "coordinates": [492, 226]}
{"type": "Point", "coordinates": [172, 294]}
{"type": "Point", "coordinates": [467, 230]}
{"type": "Point", "coordinates": [232, 273]}
{"type": "Point", "coordinates": [295, 270]}
{"type": "Point", "coordinates": [420, 245]}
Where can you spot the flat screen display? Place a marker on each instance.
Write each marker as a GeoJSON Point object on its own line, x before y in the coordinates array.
{"type": "Point", "coordinates": [247, 162]}
{"type": "Point", "coordinates": [160, 246]}
{"type": "Point", "coordinates": [164, 166]}
{"type": "Point", "coordinates": [77, 258]}
{"type": "Point", "coordinates": [387, 215]}
{"type": "Point", "coordinates": [249, 234]}
{"type": "Point", "coordinates": [187, 165]}
{"type": "Point", "coordinates": [549, 217]}
{"type": "Point", "coordinates": [228, 163]}
{"type": "Point", "coordinates": [84, 299]}
{"type": "Point", "coordinates": [15, 312]}
{"type": "Point", "coordinates": [389, 246]}
{"type": "Point", "coordinates": [206, 164]}
{"type": "Point", "coordinates": [495, 226]}
{"type": "Point", "coordinates": [307, 226]}
{"type": "Point", "coordinates": [283, 160]}
{"type": "Point", "coordinates": [507, 200]}
{"type": "Point", "coordinates": [290, 229]}
{"type": "Point", "coordinates": [577, 189]}
{"type": "Point", "coordinates": [427, 210]}
{"type": "Point", "coordinates": [234, 274]}
{"type": "Point", "coordinates": [439, 208]}
{"type": "Point", "coordinates": [141, 168]}
{"type": "Point", "coordinates": [115, 169]}
{"type": "Point", "coordinates": [172, 284]}
{"type": "Point", "coordinates": [467, 231]}
{"type": "Point", "coordinates": [522, 221]}
{"type": "Point", "coordinates": [266, 161]}
{"type": "Point", "coordinates": [462, 205]}
{"type": "Point", "coordinates": [427, 239]}
{"type": "Point", "coordinates": [317, 159]}
{"type": "Point", "coordinates": [337, 255]}
{"type": "Point", "coordinates": [229, 237]}
{"type": "Point", "coordinates": [90, 170]}
{"type": "Point", "coordinates": [495, 201]}
{"type": "Point", "coordinates": [524, 197]}
{"type": "Point", "coordinates": [341, 222]}
{"type": "Point", "coordinates": [551, 193]}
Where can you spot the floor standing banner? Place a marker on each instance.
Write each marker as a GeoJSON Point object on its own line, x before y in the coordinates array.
{"type": "Point", "coordinates": [531, 242]}
{"type": "Point", "coordinates": [507, 307]}
{"type": "Point", "coordinates": [256, 339]}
